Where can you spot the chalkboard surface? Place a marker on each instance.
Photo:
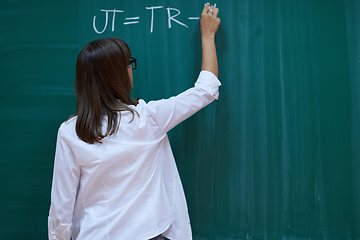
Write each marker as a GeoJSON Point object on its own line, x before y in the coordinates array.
{"type": "Point", "coordinates": [276, 157]}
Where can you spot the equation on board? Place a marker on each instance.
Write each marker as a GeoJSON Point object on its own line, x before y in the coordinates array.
{"type": "Point", "coordinates": [172, 13]}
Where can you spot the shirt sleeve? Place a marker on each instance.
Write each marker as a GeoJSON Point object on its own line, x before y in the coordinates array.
{"type": "Point", "coordinates": [66, 178]}
{"type": "Point", "coordinates": [170, 112]}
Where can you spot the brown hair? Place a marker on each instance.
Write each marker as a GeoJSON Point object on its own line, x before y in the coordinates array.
{"type": "Point", "coordinates": [103, 87]}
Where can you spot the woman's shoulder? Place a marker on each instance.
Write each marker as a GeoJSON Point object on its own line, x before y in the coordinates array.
{"type": "Point", "coordinates": [67, 129]}
{"type": "Point", "coordinates": [141, 103]}
{"type": "Point", "coordinates": [69, 123]}
{"type": "Point", "coordinates": [141, 107]}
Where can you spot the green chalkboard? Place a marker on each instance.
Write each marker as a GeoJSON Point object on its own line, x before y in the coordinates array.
{"type": "Point", "coordinates": [276, 157]}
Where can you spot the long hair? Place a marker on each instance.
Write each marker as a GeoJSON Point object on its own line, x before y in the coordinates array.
{"type": "Point", "coordinates": [103, 87]}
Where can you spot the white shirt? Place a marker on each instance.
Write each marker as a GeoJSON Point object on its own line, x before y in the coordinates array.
{"type": "Point", "coordinates": [128, 187]}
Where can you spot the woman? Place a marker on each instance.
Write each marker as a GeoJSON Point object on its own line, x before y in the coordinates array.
{"type": "Point", "coordinates": [114, 173]}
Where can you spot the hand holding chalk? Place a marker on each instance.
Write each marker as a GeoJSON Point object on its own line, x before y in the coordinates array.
{"type": "Point", "coordinates": [209, 21]}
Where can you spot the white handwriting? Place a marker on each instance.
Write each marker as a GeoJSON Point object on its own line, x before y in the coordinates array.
{"type": "Point", "coordinates": [136, 20]}
{"type": "Point", "coordinates": [106, 20]}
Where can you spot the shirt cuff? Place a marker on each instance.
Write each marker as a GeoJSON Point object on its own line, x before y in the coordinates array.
{"type": "Point", "coordinates": [208, 82]}
{"type": "Point", "coordinates": [62, 232]}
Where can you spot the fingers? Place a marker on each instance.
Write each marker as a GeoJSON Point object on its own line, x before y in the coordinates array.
{"type": "Point", "coordinates": [210, 9]}
{"type": "Point", "coordinates": [206, 8]}
{"type": "Point", "coordinates": [216, 11]}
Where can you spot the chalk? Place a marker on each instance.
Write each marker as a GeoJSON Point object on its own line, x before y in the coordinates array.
{"type": "Point", "coordinates": [214, 5]}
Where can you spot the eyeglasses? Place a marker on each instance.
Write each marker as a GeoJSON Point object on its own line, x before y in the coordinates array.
{"type": "Point", "coordinates": [132, 63]}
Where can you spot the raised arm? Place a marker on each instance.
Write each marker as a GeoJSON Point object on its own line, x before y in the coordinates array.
{"type": "Point", "coordinates": [209, 23]}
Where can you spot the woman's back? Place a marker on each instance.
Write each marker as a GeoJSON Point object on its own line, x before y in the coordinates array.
{"type": "Point", "coordinates": [130, 179]}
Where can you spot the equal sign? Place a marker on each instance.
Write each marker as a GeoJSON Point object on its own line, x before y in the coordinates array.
{"type": "Point", "coordinates": [131, 19]}
{"type": "Point", "coordinates": [194, 18]}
